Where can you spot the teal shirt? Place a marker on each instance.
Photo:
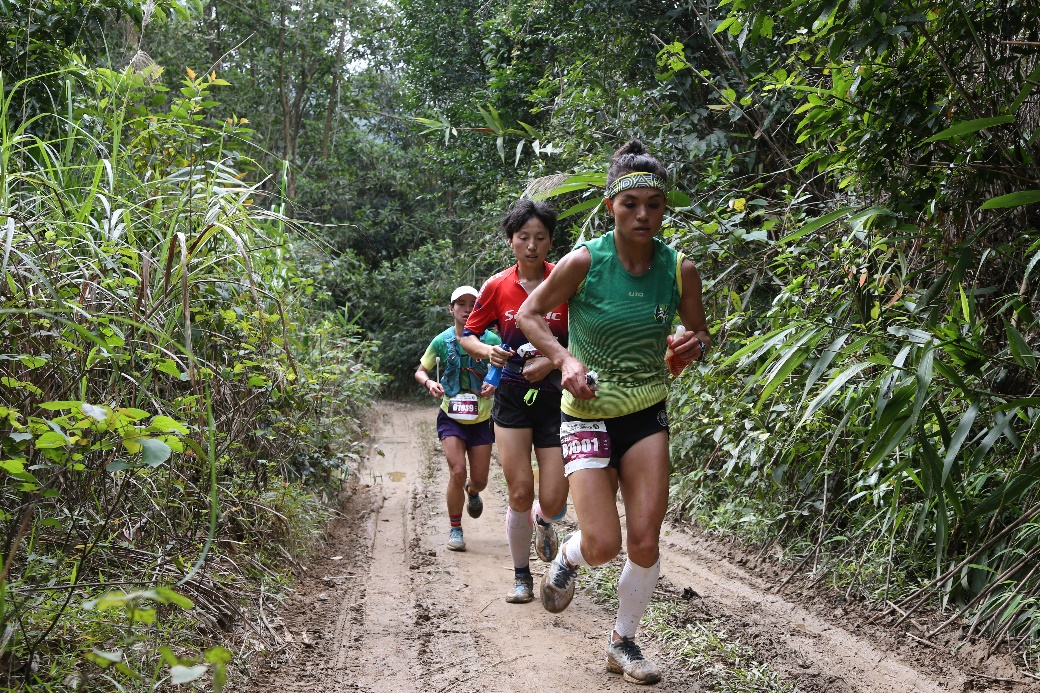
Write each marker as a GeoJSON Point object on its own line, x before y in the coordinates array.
{"type": "Point", "coordinates": [467, 380]}
{"type": "Point", "coordinates": [619, 324]}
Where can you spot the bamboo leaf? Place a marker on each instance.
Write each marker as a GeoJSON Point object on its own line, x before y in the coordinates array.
{"type": "Point", "coordinates": [959, 436]}
{"type": "Point", "coordinates": [817, 223]}
{"type": "Point", "coordinates": [1027, 89]}
{"type": "Point", "coordinates": [822, 363]}
{"type": "Point", "coordinates": [758, 346]}
{"type": "Point", "coordinates": [968, 127]}
{"type": "Point", "coordinates": [580, 207]}
{"type": "Point", "coordinates": [835, 384]}
{"type": "Point", "coordinates": [1020, 349]}
{"type": "Point", "coordinates": [182, 674]}
{"type": "Point", "coordinates": [1001, 423]}
{"type": "Point", "coordinates": [783, 368]}
{"type": "Point", "coordinates": [564, 187]}
{"type": "Point", "coordinates": [1015, 199]}
{"type": "Point", "coordinates": [892, 437]}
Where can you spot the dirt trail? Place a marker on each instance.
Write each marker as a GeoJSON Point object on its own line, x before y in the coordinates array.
{"type": "Point", "coordinates": [388, 608]}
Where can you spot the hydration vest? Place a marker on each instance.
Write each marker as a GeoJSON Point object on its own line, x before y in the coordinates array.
{"type": "Point", "coordinates": [456, 361]}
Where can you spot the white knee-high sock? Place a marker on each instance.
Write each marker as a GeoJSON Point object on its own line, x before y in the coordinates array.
{"type": "Point", "coordinates": [635, 588]}
{"type": "Point", "coordinates": [518, 535]}
{"type": "Point", "coordinates": [571, 551]}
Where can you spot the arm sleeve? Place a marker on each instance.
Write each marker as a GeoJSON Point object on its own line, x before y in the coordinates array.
{"type": "Point", "coordinates": [484, 313]}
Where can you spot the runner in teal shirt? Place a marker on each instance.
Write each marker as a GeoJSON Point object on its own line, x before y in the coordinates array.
{"type": "Point", "coordinates": [463, 422]}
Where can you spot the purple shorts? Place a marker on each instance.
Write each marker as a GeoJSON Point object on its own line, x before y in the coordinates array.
{"type": "Point", "coordinates": [472, 434]}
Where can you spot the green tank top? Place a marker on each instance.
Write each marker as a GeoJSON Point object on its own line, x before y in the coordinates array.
{"type": "Point", "coordinates": [619, 324]}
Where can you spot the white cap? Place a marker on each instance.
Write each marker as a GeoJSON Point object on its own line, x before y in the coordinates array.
{"type": "Point", "coordinates": [463, 290]}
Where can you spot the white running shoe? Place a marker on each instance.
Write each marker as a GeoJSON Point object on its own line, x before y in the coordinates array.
{"type": "Point", "coordinates": [455, 540]}
{"type": "Point", "coordinates": [624, 657]}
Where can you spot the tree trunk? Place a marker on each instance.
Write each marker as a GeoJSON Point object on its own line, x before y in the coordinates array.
{"type": "Point", "coordinates": [337, 71]}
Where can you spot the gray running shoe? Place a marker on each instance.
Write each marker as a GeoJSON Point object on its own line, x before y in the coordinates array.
{"type": "Point", "coordinates": [523, 590]}
{"type": "Point", "coordinates": [624, 657]}
{"type": "Point", "coordinates": [558, 585]}
{"type": "Point", "coordinates": [455, 540]}
{"type": "Point", "coordinates": [474, 505]}
{"type": "Point", "coordinates": [546, 542]}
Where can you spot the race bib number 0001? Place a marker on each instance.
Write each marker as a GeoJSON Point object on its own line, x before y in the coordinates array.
{"type": "Point", "coordinates": [585, 444]}
{"type": "Point", "coordinates": [463, 407]}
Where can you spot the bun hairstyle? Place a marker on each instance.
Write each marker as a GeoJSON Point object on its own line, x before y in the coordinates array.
{"type": "Point", "coordinates": [633, 157]}
{"type": "Point", "coordinates": [521, 212]}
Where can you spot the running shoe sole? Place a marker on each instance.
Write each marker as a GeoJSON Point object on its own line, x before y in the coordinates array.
{"type": "Point", "coordinates": [546, 541]}
{"type": "Point", "coordinates": [556, 599]}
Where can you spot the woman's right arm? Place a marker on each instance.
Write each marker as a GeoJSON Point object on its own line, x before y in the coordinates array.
{"type": "Point", "coordinates": [563, 282]}
{"type": "Point", "coordinates": [480, 319]}
{"type": "Point", "coordinates": [485, 352]}
{"type": "Point", "coordinates": [422, 376]}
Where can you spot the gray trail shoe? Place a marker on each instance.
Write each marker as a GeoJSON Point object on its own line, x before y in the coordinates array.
{"type": "Point", "coordinates": [455, 540]}
{"type": "Point", "coordinates": [474, 504]}
{"type": "Point", "coordinates": [624, 657]}
{"type": "Point", "coordinates": [558, 585]}
{"type": "Point", "coordinates": [546, 541]}
{"type": "Point", "coordinates": [523, 590]}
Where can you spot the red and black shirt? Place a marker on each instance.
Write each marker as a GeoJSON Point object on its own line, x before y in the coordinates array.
{"type": "Point", "coordinates": [499, 300]}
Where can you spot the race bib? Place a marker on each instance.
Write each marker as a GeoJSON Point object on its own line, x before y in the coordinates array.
{"type": "Point", "coordinates": [463, 407]}
{"type": "Point", "coordinates": [586, 445]}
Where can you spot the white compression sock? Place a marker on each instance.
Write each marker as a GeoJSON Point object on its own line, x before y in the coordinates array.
{"type": "Point", "coordinates": [634, 591]}
{"type": "Point", "coordinates": [572, 551]}
{"type": "Point", "coordinates": [518, 535]}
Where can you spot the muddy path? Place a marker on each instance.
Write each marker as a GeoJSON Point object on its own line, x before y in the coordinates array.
{"type": "Point", "coordinates": [388, 608]}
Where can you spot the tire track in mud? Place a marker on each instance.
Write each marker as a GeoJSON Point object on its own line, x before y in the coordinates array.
{"type": "Point", "coordinates": [398, 612]}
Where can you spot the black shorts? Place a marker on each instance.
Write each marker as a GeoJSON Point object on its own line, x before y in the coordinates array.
{"type": "Point", "coordinates": [542, 415]}
{"type": "Point", "coordinates": [623, 432]}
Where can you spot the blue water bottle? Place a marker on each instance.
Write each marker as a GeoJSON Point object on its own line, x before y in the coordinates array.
{"type": "Point", "coordinates": [494, 373]}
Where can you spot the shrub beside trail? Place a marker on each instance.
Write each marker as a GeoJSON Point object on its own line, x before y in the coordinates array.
{"type": "Point", "coordinates": [170, 402]}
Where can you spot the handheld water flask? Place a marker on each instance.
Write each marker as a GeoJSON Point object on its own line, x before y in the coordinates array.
{"type": "Point", "coordinates": [494, 374]}
{"type": "Point", "coordinates": [675, 363]}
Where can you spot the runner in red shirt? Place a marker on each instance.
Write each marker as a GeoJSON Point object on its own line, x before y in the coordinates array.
{"type": "Point", "coordinates": [526, 412]}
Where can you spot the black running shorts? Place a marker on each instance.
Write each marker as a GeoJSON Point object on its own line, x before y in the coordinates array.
{"type": "Point", "coordinates": [540, 411]}
{"type": "Point", "coordinates": [623, 431]}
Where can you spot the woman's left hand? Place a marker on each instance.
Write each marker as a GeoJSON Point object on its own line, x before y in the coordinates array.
{"type": "Point", "coordinates": [487, 389]}
{"type": "Point", "coordinates": [537, 369]}
{"type": "Point", "coordinates": [685, 346]}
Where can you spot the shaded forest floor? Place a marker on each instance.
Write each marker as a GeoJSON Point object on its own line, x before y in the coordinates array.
{"type": "Point", "coordinates": [388, 608]}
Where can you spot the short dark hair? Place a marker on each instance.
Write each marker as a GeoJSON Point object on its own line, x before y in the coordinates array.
{"type": "Point", "coordinates": [522, 211]}
{"type": "Point", "coordinates": [633, 157]}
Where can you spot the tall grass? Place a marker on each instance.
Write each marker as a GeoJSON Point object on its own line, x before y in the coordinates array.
{"type": "Point", "coordinates": [165, 388]}
{"type": "Point", "coordinates": [873, 409]}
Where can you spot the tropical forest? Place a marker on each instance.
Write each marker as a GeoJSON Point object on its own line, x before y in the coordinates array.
{"type": "Point", "coordinates": [229, 230]}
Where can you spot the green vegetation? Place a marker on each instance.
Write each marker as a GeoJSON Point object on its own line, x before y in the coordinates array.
{"type": "Point", "coordinates": [172, 398]}
{"type": "Point", "coordinates": [720, 662]}
{"type": "Point", "coordinates": [220, 224]}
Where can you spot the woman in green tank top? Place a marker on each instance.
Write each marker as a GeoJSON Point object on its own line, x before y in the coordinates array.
{"type": "Point", "coordinates": [623, 291]}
